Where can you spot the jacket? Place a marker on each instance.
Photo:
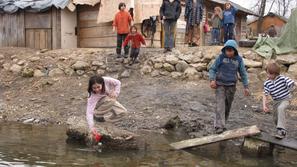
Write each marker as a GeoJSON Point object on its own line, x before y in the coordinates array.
{"type": "Point", "coordinates": [137, 39]}
{"type": "Point", "coordinates": [170, 10]}
{"type": "Point", "coordinates": [229, 15]}
{"type": "Point", "coordinates": [191, 17]}
{"type": "Point", "coordinates": [225, 69]}
{"type": "Point", "coordinates": [122, 22]}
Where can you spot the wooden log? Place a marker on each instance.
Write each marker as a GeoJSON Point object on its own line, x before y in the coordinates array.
{"type": "Point", "coordinates": [288, 143]}
{"type": "Point", "coordinates": [231, 134]}
{"type": "Point", "coordinates": [113, 138]}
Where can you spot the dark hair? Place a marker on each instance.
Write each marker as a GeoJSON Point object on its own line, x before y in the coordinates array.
{"type": "Point", "coordinates": [121, 4]}
{"type": "Point", "coordinates": [273, 68]}
{"type": "Point", "coordinates": [133, 27]}
{"type": "Point", "coordinates": [96, 80]}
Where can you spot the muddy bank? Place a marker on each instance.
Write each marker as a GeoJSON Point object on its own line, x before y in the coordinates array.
{"type": "Point", "coordinates": [151, 101]}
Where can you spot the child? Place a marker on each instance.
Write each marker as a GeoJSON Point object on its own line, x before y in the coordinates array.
{"type": "Point", "coordinates": [229, 21]}
{"type": "Point", "coordinates": [223, 77]}
{"type": "Point", "coordinates": [279, 88]}
{"type": "Point", "coordinates": [137, 39]}
{"type": "Point", "coordinates": [103, 92]}
{"type": "Point", "coordinates": [122, 23]}
{"type": "Point", "coordinates": [216, 25]}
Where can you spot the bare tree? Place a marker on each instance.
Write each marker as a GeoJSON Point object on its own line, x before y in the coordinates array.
{"type": "Point", "coordinates": [283, 6]}
{"type": "Point", "coordinates": [261, 15]}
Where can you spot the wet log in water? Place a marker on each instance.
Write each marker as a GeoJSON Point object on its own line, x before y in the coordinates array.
{"type": "Point", "coordinates": [112, 137]}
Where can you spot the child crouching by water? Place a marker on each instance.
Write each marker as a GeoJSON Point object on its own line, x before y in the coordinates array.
{"type": "Point", "coordinates": [102, 100]}
{"type": "Point", "coordinates": [279, 88]}
{"type": "Point", "coordinates": [137, 39]}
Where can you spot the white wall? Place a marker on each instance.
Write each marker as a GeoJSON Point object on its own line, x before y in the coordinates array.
{"type": "Point", "coordinates": [68, 24]}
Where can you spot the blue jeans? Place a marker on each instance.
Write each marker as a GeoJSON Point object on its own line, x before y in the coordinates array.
{"type": "Point", "coordinates": [228, 31]}
{"type": "Point", "coordinates": [169, 28]}
{"type": "Point", "coordinates": [215, 34]}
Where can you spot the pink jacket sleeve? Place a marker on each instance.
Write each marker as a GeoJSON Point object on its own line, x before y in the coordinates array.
{"type": "Point", "coordinates": [90, 111]}
{"type": "Point", "coordinates": [116, 84]}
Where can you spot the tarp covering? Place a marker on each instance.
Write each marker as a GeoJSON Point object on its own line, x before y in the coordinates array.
{"type": "Point", "coordinates": [86, 2]}
{"type": "Point", "coordinates": [12, 6]}
{"type": "Point", "coordinates": [286, 43]}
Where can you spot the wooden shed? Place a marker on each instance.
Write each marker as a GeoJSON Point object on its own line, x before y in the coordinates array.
{"type": "Point", "coordinates": [270, 19]}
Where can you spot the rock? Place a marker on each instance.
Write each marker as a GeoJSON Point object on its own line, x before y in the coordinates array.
{"type": "Point", "coordinates": [164, 73]}
{"type": "Point", "coordinates": [34, 59]}
{"type": "Point", "coordinates": [262, 76]}
{"type": "Point", "coordinates": [254, 79]}
{"type": "Point", "coordinates": [15, 69]}
{"type": "Point", "coordinates": [80, 72]}
{"type": "Point", "coordinates": [56, 72]}
{"type": "Point", "coordinates": [287, 59]}
{"type": "Point", "coordinates": [80, 65]}
{"type": "Point", "coordinates": [191, 73]}
{"type": "Point", "coordinates": [176, 75]}
{"type": "Point", "coordinates": [21, 62]}
{"type": "Point", "coordinates": [252, 56]}
{"type": "Point", "coordinates": [190, 58]}
{"type": "Point", "coordinates": [293, 70]}
{"type": "Point", "coordinates": [69, 71]}
{"type": "Point", "coordinates": [181, 66]}
{"type": "Point", "coordinates": [6, 66]}
{"type": "Point", "coordinates": [38, 73]}
{"type": "Point", "coordinates": [155, 73]}
{"type": "Point", "coordinates": [168, 67]}
{"type": "Point", "coordinates": [171, 123]}
{"type": "Point", "coordinates": [207, 57]}
{"type": "Point", "coordinates": [125, 74]}
{"type": "Point", "coordinates": [158, 65]}
{"type": "Point", "coordinates": [100, 72]}
{"type": "Point", "coordinates": [2, 56]}
{"type": "Point", "coordinates": [254, 70]}
{"type": "Point", "coordinates": [171, 59]}
{"type": "Point", "coordinates": [146, 69]}
{"type": "Point", "coordinates": [200, 66]}
{"type": "Point", "coordinates": [159, 59]}
{"type": "Point", "coordinates": [252, 64]}
{"type": "Point", "coordinates": [27, 121]}
{"type": "Point", "coordinates": [28, 72]}
{"type": "Point", "coordinates": [43, 50]}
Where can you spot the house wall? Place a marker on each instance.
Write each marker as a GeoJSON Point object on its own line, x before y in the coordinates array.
{"type": "Point", "coordinates": [68, 25]}
{"type": "Point", "coordinates": [267, 22]}
{"type": "Point", "coordinates": [33, 30]}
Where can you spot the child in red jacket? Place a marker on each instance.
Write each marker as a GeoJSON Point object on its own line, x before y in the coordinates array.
{"type": "Point", "coordinates": [137, 39]}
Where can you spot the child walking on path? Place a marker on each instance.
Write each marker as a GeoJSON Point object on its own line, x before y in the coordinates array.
{"type": "Point", "coordinates": [223, 77]}
{"type": "Point", "coordinates": [279, 88]}
{"type": "Point", "coordinates": [103, 92]}
{"type": "Point", "coordinates": [229, 21]}
{"type": "Point", "coordinates": [137, 39]}
{"type": "Point", "coordinates": [121, 24]}
{"type": "Point", "coordinates": [216, 25]}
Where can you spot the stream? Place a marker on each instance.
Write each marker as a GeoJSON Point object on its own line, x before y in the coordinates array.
{"type": "Point", "coordinates": [36, 145]}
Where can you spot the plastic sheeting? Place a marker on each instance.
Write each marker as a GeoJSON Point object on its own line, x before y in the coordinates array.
{"type": "Point", "coordinates": [286, 43]}
{"type": "Point", "coordinates": [12, 6]}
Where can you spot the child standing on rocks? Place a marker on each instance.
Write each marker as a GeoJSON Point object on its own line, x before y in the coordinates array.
{"type": "Point", "coordinates": [223, 77]}
{"type": "Point", "coordinates": [216, 25]}
{"type": "Point", "coordinates": [279, 88]}
{"type": "Point", "coordinates": [103, 92]}
{"type": "Point", "coordinates": [229, 21]}
{"type": "Point", "coordinates": [121, 24]}
{"type": "Point", "coordinates": [137, 39]}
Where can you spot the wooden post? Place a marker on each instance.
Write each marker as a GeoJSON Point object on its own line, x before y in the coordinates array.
{"type": "Point", "coordinates": [231, 134]}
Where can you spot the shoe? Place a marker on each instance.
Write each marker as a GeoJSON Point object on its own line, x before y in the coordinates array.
{"type": "Point", "coordinates": [126, 56]}
{"type": "Point", "coordinates": [99, 119]}
{"type": "Point", "coordinates": [194, 44]}
{"type": "Point", "coordinates": [219, 130]}
{"type": "Point", "coordinates": [119, 56]}
{"type": "Point", "coordinates": [281, 133]}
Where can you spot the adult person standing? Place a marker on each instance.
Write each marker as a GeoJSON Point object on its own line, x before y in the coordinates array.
{"type": "Point", "coordinates": [169, 12]}
{"type": "Point", "coordinates": [193, 17]}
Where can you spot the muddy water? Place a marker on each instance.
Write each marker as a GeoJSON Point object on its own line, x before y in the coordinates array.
{"type": "Point", "coordinates": [27, 145]}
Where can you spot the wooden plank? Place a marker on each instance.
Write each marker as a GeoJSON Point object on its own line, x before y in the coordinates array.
{"type": "Point", "coordinates": [96, 32]}
{"type": "Point", "coordinates": [29, 38]}
{"type": "Point", "coordinates": [21, 30]}
{"type": "Point", "coordinates": [88, 15]}
{"type": "Point", "coordinates": [231, 134]}
{"type": "Point", "coordinates": [38, 20]}
{"type": "Point", "coordinates": [49, 39]}
{"type": "Point", "coordinates": [286, 142]}
{"type": "Point", "coordinates": [97, 42]}
{"type": "Point", "coordinates": [37, 39]}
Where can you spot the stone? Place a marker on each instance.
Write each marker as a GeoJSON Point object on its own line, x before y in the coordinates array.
{"type": "Point", "coordinates": [15, 68]}
{"type": "Point", "coordinates": [262, 76]}
{"type": "Point", "coordinates": [146, 69]}
{"type": "Point", "coordinates": [100, 72]}
{"type": "Point", "coordinates": [254, 70]}
{"type": "Point", "coordinates": [34, 59]}
{"type": "Point", "coordinates": [176, 75]}
{"type": "Point", "coordinates": [252, 56]}
{"type": "Point", "coordinates": [181, 66]}
{"type": "Point", "coordinates": [69, 71]}
{"type": "Point", "coordinates": [56, 72]}
{"type": "Point", "coordinates": [80, 72]}
{"type": "Point", "coordinates": [208, 57]}
{"type": "Point", "coordinates": [6, 66]}
{"type": "Point", "coordinates": [164, 73]}
{"type": "Point", "coordinates": [200, 66]}
{"type": "Point", "coordinates": [28, 72]}
{"type": "Point", "coordinates": [190, 58]}
{"type": "Point", "coordinates": [38, 73]}
{"type": "Point", "coordinates": [168, 67]}
{"type": "Point", "coordinates": [287, 59]}
{"type": "Point", "coordinates": [252, 64]}
{"type": "Point", "coordinates": [293, 70]}
{"type": "Point", "coordinates": [2, 56]}
{"type": "Point", "coordinates": [125, 74]}
{"type": "Point", "coordinates": [191, 72]}
{"type": "Point", "coordinates": [155, 73]}
{"type": "Point", "coordinates": [253, 78]}
{"type": "Point", "coordinates": [171, 59]}
{"type": "Point", "coordinates": [80, 65]}
{"type": "Point", "coordinates": [159, 59]}
{"type": "Point", "coordinates": [158, 65]}
{"type": "Point", "coordinates": [27, 121]}
{"type": "Point", "coordinates": [21, 62]}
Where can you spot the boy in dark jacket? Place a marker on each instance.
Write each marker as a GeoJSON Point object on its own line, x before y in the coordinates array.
{"type": "Point", "coordinates": [223, 77]}
{"type": "Point", "coordinates": [137, 39]}
{"type": "Point", "coordinates": [169, 13]}
{"type": "Point", "coordinates": [229, 21]}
